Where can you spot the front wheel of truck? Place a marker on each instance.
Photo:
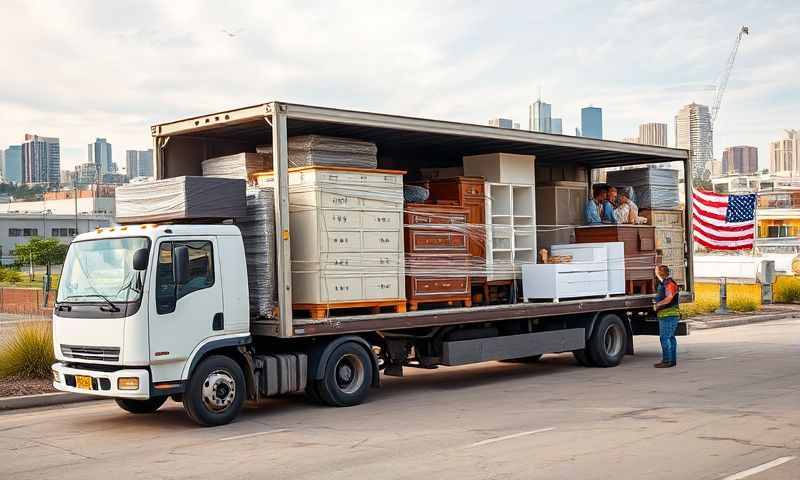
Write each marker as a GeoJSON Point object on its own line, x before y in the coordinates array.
{"type": "Point", "coordinates": [215, 392]}
{"type": "Point", "coordinates": [141, 406]}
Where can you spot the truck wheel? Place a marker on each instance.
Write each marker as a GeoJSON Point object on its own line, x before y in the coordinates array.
{"type": "Point", "coordinates": [215, 392]}
{"type": "Point", "coordinates": [348, 375]}
{"type": "Point", "coordinates": [582, 358]}
{"type": "Point", "coordinates": [608, 343]}
{"type": "Point", "coordinates": [140, 406]}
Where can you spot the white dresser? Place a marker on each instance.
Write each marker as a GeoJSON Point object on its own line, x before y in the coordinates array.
{"type": "Point", "coordinates": [346, 237]}
{"type": "Point", "coordinates": [597, 269]}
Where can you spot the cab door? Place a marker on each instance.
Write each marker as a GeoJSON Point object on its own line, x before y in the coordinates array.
{"type": "Point", "coordinates": [183, 315]}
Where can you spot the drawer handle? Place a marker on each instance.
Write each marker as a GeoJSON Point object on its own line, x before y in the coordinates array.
{"type": "Point", "coordinates": [333, 177]}
{"type": "Point", "coordinates": [445, 284]}
{"type": "Point", "coordinates": [341, 288]}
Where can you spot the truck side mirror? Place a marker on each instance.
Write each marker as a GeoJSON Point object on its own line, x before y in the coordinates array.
{"type": "Point", "coordinates": [140, 259]}
{"type": "Point", "coordinates": [181, 262]}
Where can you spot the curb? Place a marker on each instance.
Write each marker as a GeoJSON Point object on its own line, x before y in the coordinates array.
{"type": "Point", "coordinates": [43, 400]}
{"type": "Point", "coordinates": [733, 322]}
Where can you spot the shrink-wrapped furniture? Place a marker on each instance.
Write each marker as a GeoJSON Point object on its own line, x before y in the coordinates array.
{"type": "Point", "coordinates": [640, 251]}
{"type": "Point", "coordinates": [181, 199]}
{"type": "Point", "coordinates": [258, 235]}
{"type": "Point", "coordinates": [654, 187]}
{"type": "Point", "coordinates": [670, 240]}
{"type": "Point", "coordinates": [320, 150]}
{"type": "Point", "coordinates": [240, 165]}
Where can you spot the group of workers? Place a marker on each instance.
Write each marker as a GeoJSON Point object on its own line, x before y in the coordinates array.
{"type": "Point", "coordinates": [610, 205]}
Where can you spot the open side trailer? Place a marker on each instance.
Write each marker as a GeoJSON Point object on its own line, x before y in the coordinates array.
{"type": "Point", "coordinates": [336, 359]}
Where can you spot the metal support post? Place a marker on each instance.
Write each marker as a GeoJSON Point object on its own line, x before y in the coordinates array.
{"type": "Point", "coordinates": [280, 165]}
{"type": "Point", "coordinates": [723, 296]}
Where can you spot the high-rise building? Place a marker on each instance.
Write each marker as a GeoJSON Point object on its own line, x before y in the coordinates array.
{"type": "Point", "coordinates": [100, 155]}
{"type": "Point", "coordinates": [496, 122]}
{"type": "Point", "coordinates": [2, 162]}
{"type": "Point", "coordinates": [740, 160]}
{"type": "Point", "coordinates": [555, 125]}
{"type": "Point", "coordinates": [539, 117]}
{"type": "Point", "coordinates": [86, 173]}
{"type": "Point", "coordinates": [139, 163]}
{"type": "Point", "coordinates": [12, 164]}
{"type": "Point", "coordinates": [592, 122]}
{"type": "Point", "coordinates": [693, 133]}
{"type": "Point", "coordinates": [784, 155]}
{"type": "Point", "coordinates": [41, 160]}
{"type": "Point", "coordinates": [653, 134]}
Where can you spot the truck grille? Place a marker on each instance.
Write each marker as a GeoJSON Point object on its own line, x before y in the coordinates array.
{"type": "Point", "coordinates": [105, 354]}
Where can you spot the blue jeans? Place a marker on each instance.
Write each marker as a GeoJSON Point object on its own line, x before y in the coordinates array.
{"type": "Point", "coordinates": [669, 345]}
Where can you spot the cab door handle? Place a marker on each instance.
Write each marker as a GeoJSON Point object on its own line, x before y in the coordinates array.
{"type": "Point", "coordinates": [219, 322]}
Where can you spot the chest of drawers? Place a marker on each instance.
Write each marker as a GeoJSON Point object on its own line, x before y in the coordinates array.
{"type": "Point", "coordinates": [437, 254]}
{"type": "Point", "coordinates": [639, 249]}
{"type": "Point", "coordinates": [346, 238]}
{"type": "Point", "coordinates": [670, 240]}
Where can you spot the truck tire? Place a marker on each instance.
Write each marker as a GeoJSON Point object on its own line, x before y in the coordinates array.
{"type": "Point", "coordinates": [582, 358]}
{"type": "Point", "coordinates": [216, 391]}
{"type": "Point", "coordinates": [140, 406]}
{"type": "Point", "coordinates": [347, 377]}
{"type": "Point", "coordinates": [608, 342]}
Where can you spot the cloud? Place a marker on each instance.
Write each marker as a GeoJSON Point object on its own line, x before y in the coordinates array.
{"type": "Point", "coordinates": [96, 69]}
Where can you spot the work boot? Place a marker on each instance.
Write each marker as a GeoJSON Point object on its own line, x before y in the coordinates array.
{"type": "Point", "coordinates": [664, 365]}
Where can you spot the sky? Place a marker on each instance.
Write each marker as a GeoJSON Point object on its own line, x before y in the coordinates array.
{"type": "Point", "coordinates": [82, 69]}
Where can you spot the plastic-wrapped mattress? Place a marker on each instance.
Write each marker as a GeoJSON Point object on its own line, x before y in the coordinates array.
{"type": "Point", "coordinates": [180, 198]}
{"type": "Point", "coordinates": [320, 150]}
{"type": "Point", "coordinates": [258, 235]}
{"type": "Point", "coordinates": [654, 187]}
{"type": "Point", "coordinates": [240, 165]}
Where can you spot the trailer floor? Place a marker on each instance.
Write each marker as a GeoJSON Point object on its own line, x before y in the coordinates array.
{"type": "Point", "coordinates": [732, 405]}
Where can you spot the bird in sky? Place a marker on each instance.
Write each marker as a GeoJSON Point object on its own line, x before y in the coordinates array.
{"type": "Point", "coordinates": [232, 34]}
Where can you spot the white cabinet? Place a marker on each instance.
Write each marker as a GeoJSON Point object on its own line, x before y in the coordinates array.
{"type": "Point", "coordinates": [501, 167]}
{"type": "Point", "coordinates": [596, 269]}
{"type": "Point", "coordinates": [346, 235]}
{"type": "Point", "coordinates": [510, 229]}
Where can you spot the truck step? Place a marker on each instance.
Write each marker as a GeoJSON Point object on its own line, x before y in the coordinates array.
{"type": "Point", "coordinates": [281, 373]}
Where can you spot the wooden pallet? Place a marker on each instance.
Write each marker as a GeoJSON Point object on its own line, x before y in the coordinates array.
{"type": "Point", "coordinates": [320, 311]}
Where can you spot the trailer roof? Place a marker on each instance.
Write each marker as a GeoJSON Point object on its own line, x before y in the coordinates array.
{"type": "Point", "coordinates": [437, 138]}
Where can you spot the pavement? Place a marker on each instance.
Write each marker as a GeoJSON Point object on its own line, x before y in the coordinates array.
{"type": "Point", "coordinates": [730, 410]}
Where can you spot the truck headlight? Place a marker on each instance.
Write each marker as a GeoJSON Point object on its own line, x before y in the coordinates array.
{"type": "Point", "coordinates": [128, 383]}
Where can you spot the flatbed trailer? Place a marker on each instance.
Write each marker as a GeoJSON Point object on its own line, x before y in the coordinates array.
{"type": "Point", "coordinates": [336, 359]}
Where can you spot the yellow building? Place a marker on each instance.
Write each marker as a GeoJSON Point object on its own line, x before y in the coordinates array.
{"type": "Point", "coordinates": [778, 214]}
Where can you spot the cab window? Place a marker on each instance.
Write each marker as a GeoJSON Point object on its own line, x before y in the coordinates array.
{"type": "Point", "coordinates": [201, 273]}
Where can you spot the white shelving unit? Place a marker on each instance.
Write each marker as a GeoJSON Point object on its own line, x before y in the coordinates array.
{"type": "Point", "coordinates": [510, 229]}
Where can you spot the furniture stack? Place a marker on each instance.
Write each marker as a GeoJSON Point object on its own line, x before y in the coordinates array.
{"type": "Point", "coordinates": [670, 237]}
{"type": "Point", "coordinates": [346, 244]}
{"type": "Point", "coordinates": [595, 269]}
{"type": "Point", "coordinates": [321, 150]}
{"type": "Point", "coordinates": [559, 209]}
{"type": "Point", "coordinates": [510, 212]}
{"type": "Point", "coordinates": [437, 249]}
{"type": "Point", "coordinates": [640, 251]}
{"type": "Point", "coordinates": [654, 187]}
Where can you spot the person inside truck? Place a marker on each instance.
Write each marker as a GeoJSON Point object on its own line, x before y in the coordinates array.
{"type": "Point", "coordinates": [666, 307]}
{"type": "Point", "coordinates": [598, 210]}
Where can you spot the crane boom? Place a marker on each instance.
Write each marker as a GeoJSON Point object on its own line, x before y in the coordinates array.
{"type": "Point", "coordinates": [726, 74]}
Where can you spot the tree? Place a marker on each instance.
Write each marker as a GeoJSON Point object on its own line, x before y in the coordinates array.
{"type": "Point", "coordinates": [41, 251]}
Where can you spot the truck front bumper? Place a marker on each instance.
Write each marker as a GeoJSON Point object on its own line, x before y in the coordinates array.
{"type": "Point", "coordinates": [103, 384]}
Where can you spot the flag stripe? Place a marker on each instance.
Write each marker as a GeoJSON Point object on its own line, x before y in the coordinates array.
{"type": "Point", "coordinates": [746, 243]}
{"type": "Point", "coordinates": [723, 236]}
{"type": "Point", "coordinates": [722, 226]}
{"type": "Point", "coordinates": [698, 210]}
{"type": "Point", "coordinates": [721, 247]}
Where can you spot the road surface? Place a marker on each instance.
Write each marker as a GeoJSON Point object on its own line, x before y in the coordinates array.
{"type": "Point", "coordinates": [731, 410]}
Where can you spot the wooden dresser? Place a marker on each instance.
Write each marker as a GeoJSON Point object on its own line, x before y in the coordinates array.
{"type": "Point", "coordinates": [437, 254]}
{"type": "Point", "coordinates": [467, 192]}
{"type": "Point", "coordinates": [640, 251]}
{"type": "Point", "coordinates": [670, 240]}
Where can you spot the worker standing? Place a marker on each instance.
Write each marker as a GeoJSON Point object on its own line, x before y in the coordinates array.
{"type": "Point", "coordinates": [666, 307]}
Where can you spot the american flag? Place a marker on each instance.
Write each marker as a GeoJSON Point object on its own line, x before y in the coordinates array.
{"type": "Point", "coordinates": [724, 222]}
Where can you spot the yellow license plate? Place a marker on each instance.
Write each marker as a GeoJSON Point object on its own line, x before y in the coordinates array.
{"type": "Point", "coordinates": [83, 382]}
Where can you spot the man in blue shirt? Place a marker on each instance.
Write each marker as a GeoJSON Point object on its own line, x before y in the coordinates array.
{"type": "Point", "coordinates": [593, 210]}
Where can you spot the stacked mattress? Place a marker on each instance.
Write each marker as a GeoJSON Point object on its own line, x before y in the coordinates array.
{"type": "Point", "coordinates": [241, 165]}
{"type": "Point", "coordinates": [654, 187]}
{"type": "Point", "coordinates": [319, 150]}
{"type": "Point", "coordinates": [258, 233]}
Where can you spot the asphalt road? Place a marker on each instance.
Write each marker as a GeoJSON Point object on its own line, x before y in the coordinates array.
{"type": "Point", "coordinates": [732, 406]}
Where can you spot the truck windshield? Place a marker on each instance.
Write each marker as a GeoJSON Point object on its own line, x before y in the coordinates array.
{"type": "Point", "coordinates": [102, 271]}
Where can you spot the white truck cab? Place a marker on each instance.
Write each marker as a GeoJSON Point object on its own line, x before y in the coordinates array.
{"type": "Point", "coordinates": [139, 305]}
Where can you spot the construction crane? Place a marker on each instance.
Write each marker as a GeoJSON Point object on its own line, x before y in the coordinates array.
{"type": "Point", "coordinates": [726, 74]}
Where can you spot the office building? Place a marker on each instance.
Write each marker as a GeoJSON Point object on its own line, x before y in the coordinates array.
{"type": "Point", "coordinates": [41, 160]}
{"type": "Point", "coordinates": [784, 155]}
{"type": "Point", "coordinates": [693, 133]}
{"type": "Point", "coordinates": [539, 117]}
{"type": "Point", "coordinates": [86, 173]}
{"type": "Point", "coordinates": [139, 163]}
{"type": "Point", "coordinates": [555, 125]}
{"type": "Point", "coordinates": [12, 164]}
{"type": "Point", "coordinates": [495, 122]}
{"type": "Point", "coordinates": [592, 122]}
{"type": "Point", "coordinates": [653, 134]}
{"type": "Point", "coordinates": [740, 160]}
{"type": "Point", "coordinates": [100, 155]}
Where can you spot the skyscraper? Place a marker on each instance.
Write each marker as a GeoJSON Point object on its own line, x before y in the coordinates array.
{"type": "Point", "coordinates": [741, 160]}
{"type": "Point", "coordinates": [100, 155]}
{"type": "Point", "coordinates": [139, 163]}
{"type": "Point", "coordinates": [539, 117]}
{"type": "Point", "coordinates": [784, 155]}
{"type": "Point", "coordinates": [500, 123]}
{"type": "Point", "coordinates": [592, 122]}
{"type": "Point", "coordinates": [693, 133]}
{"type": "Point", "coordinates": [555, 126]}
{"type": "Point", "coordinates": [12, 164]}
{"type": "Point", "coordinates": [2, 162]}
{"type": "Point", "coordinates": [41, 160]}
{"type": "Point", "coordinates": [653, 134]}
